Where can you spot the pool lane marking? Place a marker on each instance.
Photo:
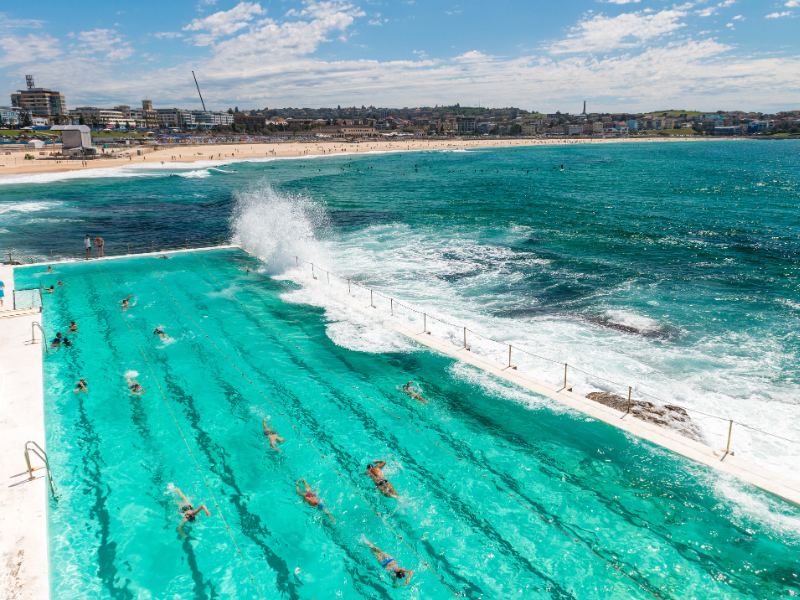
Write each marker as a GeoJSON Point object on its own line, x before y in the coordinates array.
{"type": "Point", "coordinates": [308, 440]}
{"type": "Point", "coordinates": [191, 454]}
{"type": "Point", "coordinates": [499, 482]}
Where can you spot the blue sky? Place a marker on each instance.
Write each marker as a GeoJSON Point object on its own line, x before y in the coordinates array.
{"type": "Point", "coordinates": [536, 54]}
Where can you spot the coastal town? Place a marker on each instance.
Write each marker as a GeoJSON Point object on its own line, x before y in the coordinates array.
{"type": "Point", "coordinates": [39, 117]}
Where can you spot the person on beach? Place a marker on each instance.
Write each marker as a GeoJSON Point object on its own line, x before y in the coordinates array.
{"type": "Point", "coordinates": [390, 564]}
{"type": "Point", "coordinates": [311, 498]}
{"type": "Point", "coordinates": [187, 508]}
{"type": "Point", "coordinates": [375, 472]}
{"type": "Point", "coordinates": [272, 435]}
{"type": "Point", "coordinates": [87, 244]}
{"type": "Point", "coordinates": [100, 244]}
{"type": "Point", "coordinates": [409, 390]}
{"type": "Point", "coordinates": [126, 302]}
{"type": "Point", "coordinates": [73, 327]}
{"type": "Point", "coordinates": [81, 387]}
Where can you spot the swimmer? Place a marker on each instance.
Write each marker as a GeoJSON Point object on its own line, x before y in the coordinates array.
{"type": "Point", "coordinates": [135, 388]}
{"type": "Point", "coordinates": [49, 268]}
{"type": "Point", "coordinates": [274, 438]}
{"type": "Point", "coordinates": [126, 302]}
{"type": "Point", "coordinates": [408, 388]}
{"type": "Point", "coordinates": [390, 564]}
{"type": "Point", "coordinates": [375, 472]}
{"type": "Point", "coordinates": [50, 289]}
{"type": "Point", "coordinates": [159, 331]}
{"type": "Point", "coordinates": [73, 327]}
{"type": "Point", "coordinates": [81, 386]}
{"type": "Point", "coordinates": [189, 511]}
{"type": "Point", "coordinates": [60, 283]}
{"type": "Point", "coordinates": [311, 498]}
{"type": "Point", "coordinates": [56, 343]}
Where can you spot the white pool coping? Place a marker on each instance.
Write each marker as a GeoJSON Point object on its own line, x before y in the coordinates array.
{"type": "Point", "coordinates": [24, 563]}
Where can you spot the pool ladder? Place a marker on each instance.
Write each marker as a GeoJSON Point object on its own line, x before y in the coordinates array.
{"type": "Point", "coordinates": [32, 447]}
{"type": "Point", "coordinates": [34, 325]}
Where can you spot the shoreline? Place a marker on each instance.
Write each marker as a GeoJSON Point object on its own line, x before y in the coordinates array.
{"type": "Point", "coordinates": [233, 152]}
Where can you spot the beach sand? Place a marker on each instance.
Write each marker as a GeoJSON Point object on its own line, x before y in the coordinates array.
{"type": "Point", "coordinates": [15, 163]}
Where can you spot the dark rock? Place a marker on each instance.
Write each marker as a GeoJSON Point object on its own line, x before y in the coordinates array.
{"type": "Point", "coordinates": [666, 415]}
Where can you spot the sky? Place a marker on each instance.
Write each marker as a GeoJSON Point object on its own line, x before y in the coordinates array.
{"type": "Point", "coordinates": [619, 55]}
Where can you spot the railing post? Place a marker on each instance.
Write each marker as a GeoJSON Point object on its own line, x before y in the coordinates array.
{"type": "Point", "coordinates": [28, 463]}
{"type": "Point", "coordinates": [565, 375]}
{"type": "Point", "coordinates": [630, 405]}
{"type": "Point", "coordinates": [424, 323]}
{"type": "Point", "coordinates": [370, 299]}
{"type": "Point", "coordinates": [465, 339]}
{"type": "Point", "coordinates": [730, 435]}
{"type": "Point", "coordinates": [391, 306]}
{"type": "Point", "coordinates": [296, 261]}
{"type": "Point", "coordinates": [313, 275]}
{"type": "Point", "coordinates": [348, 286]}
{"type": "Point", "coordinates": [509, 356]}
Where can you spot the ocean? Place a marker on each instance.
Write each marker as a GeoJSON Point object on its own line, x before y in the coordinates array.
{"type": "Point", "coordinates": [672, 268]}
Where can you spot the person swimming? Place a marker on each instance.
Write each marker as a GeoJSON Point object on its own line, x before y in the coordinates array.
{"type": "Point", "coordinates": [81, 386]}
{"type": "Point", "coordinates": [311, 498]}
{"type": "Point", "coordinates": [375, 472]}
{"type": "Point", "coordinates": [187, 509]}
{"type": "Point", "coordinates": [126, 302]}
{"type": "Point", "coordinates": [274, 438]}
{"type": "Point", "coordinates": [408, 388]}
{"type": "Point", "coordinates": [135, 388]}
{"type": "Point", "coordinates": [159, 331]}
{"type": "Point", "coordinates": [73, 327]}
{"type": "Point", "coordinates": [389, 563]}
{"type": "Point", "coordinates": [50, 289]}
{"type": "Point", "coordinates": [59, 341]}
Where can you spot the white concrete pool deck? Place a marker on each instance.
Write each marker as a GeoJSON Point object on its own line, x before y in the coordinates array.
{"type": "Point", "coordinates": [24, 568]}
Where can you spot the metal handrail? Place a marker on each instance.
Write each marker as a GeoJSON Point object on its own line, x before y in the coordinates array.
{"type": "Point", "coordinates": [32, 447]}
{"type": "Point", "coordinates": [34, 325]}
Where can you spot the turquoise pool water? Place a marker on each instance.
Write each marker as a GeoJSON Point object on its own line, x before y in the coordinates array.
{"type": "Point", "coordinates": [498, 500]}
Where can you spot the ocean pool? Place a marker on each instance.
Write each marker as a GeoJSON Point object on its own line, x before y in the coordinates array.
{"type": "Point", "coordinates": [498, 499]}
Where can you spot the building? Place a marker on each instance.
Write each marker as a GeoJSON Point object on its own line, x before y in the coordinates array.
{"type": "Point", "coordinates": [75, 138]}
{"type": "Point", "coordinates": [207, 119]}
{"type": "Point", "coordinates": [101, 117]}
{"type": "Point", "coordinates": [9, 116]}
{"type": "Point", "coordinates": [40, 102]}
{"type": "Point", "coordinates": [175, 118]}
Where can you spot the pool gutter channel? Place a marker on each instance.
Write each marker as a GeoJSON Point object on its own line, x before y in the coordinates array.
{"type": "Point", "coordinates": [23, 507]}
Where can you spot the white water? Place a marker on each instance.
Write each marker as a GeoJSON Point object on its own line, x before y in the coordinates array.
{"type": "Point", "coordinates": [408, 264]}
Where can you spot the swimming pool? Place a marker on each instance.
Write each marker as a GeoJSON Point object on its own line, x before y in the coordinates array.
{"type": "Point", "coordinates": [497, 499]}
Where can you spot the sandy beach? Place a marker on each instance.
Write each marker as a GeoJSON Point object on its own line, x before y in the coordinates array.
{"type": "Point", "coordinates": [15, 163]}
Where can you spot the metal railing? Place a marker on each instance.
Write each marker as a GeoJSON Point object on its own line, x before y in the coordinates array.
{"type": "Point", "coordinates": [12, 256]}
{"type": "Point", "coordinates": [27, 299]}
{"type": "Point", "coordinates": [32, 447]}
{"type": "Point", "coordinates": [558, 375]}
{"type": "Point", "coordinates": [36, 325]}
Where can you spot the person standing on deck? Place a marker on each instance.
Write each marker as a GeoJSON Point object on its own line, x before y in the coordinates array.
{"type": "Point", "coordinates": [87, 244]}
{"type": "Point", "coordinates": [100, 244]}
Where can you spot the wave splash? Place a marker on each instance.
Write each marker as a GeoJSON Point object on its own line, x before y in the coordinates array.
{"type": "Point", "coordinates": [277, 227]}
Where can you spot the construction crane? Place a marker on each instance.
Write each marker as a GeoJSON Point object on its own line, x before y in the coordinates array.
{"type": "Point", "coordinates": [197, 85]}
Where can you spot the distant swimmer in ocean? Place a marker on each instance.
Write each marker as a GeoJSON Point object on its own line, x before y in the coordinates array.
{"type": "Point", "coordinates": [399, 574]}
{"type": "Point", "coordinates": [272, 435]}
{"type": "Point", "coordinates": [409, 390]}
{"type": "Point", "coordinates": [81, 386]}
{"type": "Point", "coordinates": [134, 386]}
{"type": "Point", "coordinates": [375, 472]}
{"type": "Point", "coordinates": [49, 268]}
{"type": "Point", "coordinates": [311, 498]}
{"type": "Point", "coordinates": [562, 167]}
{"type": "Point", "coordinates": [187, 508]}
{"type": "Point", "coordinates": [126, 302]}
{"type": "Point", "coordinates": [73, 327]}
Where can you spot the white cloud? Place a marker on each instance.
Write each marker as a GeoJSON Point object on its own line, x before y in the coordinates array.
{"type": "Point", "coordinates": [167, 35]}
{"type": "Point", "coordinates": [792, 3]}
{"type": "Point", "coordinates": [738, 18]}
{"type": "Point", "coordinates": [105, 43]}
{"type": "Point", "coordinates": [27, 49]}
{"type": "Point", "coordinates": [778, 15]}
{"type": "Point", "coordinates": [599, 33]}
{"type": "Point", "coordinates": [224, 22]}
